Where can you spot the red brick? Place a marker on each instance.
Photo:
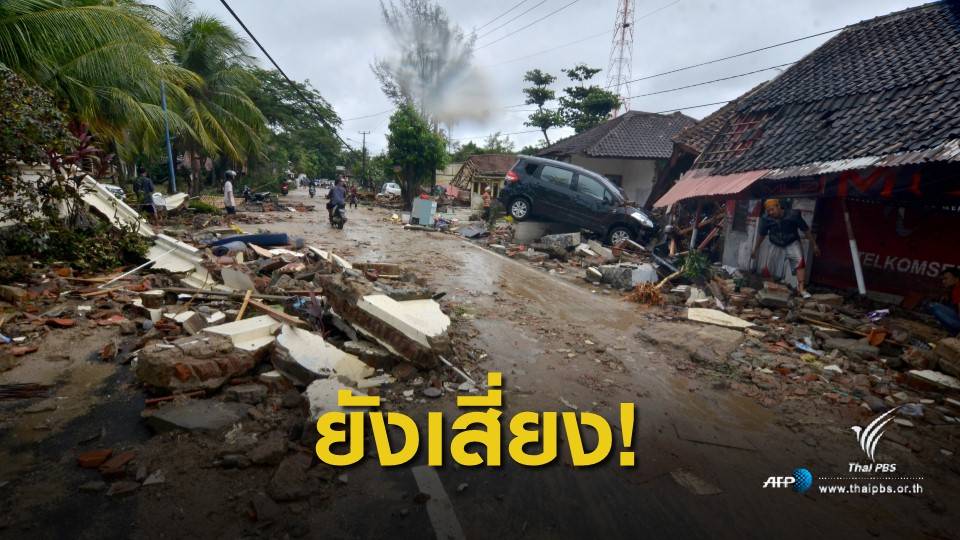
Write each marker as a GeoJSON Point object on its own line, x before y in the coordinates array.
{"type": "Point", "coordinates": [93, 458]}
{"type": "Point", "coordinates": [114, 467]}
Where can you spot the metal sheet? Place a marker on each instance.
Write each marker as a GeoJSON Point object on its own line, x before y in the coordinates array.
{"type": "Point", "coordinates": [696, 183]}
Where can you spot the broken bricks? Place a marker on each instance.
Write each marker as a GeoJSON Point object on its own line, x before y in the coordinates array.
{"type": "Point", "coordinates": [202, 362]}
{"type": "Point", "coordinates": [415, 330]}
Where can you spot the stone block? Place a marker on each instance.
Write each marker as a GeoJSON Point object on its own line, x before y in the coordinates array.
{"type": "Point", "coordinates": [193, 363]}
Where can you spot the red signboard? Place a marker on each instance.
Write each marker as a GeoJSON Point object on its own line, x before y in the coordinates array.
{"type": "Point", "coordinates": [903, 249]}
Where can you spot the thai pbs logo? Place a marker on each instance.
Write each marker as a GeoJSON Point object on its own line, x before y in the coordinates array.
{"type": "Point", "coordinates": [800, 482]}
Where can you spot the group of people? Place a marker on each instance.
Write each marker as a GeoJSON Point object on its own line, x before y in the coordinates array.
{"type": "Point", "coordinates": [783, 229]}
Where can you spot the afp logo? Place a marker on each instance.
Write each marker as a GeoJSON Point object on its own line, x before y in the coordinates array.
{"type": "Point", "coordinates": [800, 482]}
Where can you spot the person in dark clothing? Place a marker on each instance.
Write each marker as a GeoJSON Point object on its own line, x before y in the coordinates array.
{"type": "Point", "coordinates": [337, 196]}
{"type": "Point", "coordinates": [948, 314]}
{"type": "Point", "coordinates": [783, 229]}
{"type": "Point", "coordinates": [144, 188]}
{"type": "Point", "coordinates": [354, 196]}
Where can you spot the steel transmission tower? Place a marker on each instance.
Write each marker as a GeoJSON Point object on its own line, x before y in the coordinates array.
{"type": "Point", "coordinates": [621, 56]}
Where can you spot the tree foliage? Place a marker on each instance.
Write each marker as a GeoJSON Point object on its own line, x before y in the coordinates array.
{"type": "Point", "coordinates": [415, 148]}
{"type": "Point", "coordinates": [298, 135]}
{"type": "Point", "coordinates": [106, 62]}
{"type": "Point", "coordinates": [539, 93]}
{"type": "Point", "coordinates": [585, 106]}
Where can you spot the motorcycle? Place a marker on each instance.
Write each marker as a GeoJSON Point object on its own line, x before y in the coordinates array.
{"type": "Point", "coordinates": [312, 190]}
{"type": "Point", "coordinates": [285, 188]}
{"type": "Point", "coordinates": [339, 217]}
{"type": "Point", "coordinates": [261, 197]}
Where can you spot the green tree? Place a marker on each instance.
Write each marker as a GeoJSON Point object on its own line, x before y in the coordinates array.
{"type": "Point", "coordinates": [100, 59]}
{"type": "Point", "coordinates": [223, 118]}
{"type": "Point", "coordinates": [495, 143]}
{"type": "Point", "coordinates": [298, 133]}
{"type": "Point", "coordinates": [462, 151]}
{"type": "Point", "coordinates": [584, 107]}
{"type": "Point", "coordinates": [539, 94]}
{"type": "Point", "coordinates": [532, 149]}
{"type": "Point", "coordinates": [415, 148]}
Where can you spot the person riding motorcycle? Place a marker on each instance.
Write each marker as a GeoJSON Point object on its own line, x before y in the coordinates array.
{"type": "Point", "coordinates": [338, 198]}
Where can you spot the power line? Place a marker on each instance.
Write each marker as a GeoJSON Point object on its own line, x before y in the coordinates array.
{"type": "Point", "coordinates": [733, 56]}
{"type": "Point", "coordinates": [367, 116]}
{"type": "Point", "coordinates": [713, 81]}
{"type": "Point", "coordinates": [581, 40]}
{"type": "Point", "coordinates": [552, 13]}
{"type": "Point", "coordinates": [552, 49]}
{"type": "Point", "coordinates": [695, 106]}
{"type": "Point", "coordinates": [515, 6]}
{"type": "Point", "coordinates": [528, 10]}
{"type": "Point", "coordinates": [289, 80]}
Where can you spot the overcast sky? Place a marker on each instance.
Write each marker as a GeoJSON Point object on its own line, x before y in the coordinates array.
{"type": "Point", "coordinates": [333, 43]}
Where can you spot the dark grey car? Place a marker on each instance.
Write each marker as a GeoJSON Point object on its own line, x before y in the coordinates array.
{"type": "Point", "coordinates": [570, 194]}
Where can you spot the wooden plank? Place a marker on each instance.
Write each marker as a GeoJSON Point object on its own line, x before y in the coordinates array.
{"type": "Point", "coordinates": [243, 306]}
{"type": "Point", "coordinates": [278, 315]}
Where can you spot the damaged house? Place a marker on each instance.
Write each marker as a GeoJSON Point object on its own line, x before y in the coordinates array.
{"type": "Point", "coordinates": [481, 171]}
{"type": "Point", "coordinates": [632, 150]}
{"type": "Point", "coordinates": [862, 136]}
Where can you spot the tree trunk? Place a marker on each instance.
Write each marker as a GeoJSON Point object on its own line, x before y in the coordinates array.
{"type": "Point", "coordinates": [545, 137]}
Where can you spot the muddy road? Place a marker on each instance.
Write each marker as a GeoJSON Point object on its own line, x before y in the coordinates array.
{"type": "Point", "coordinates": [703, 453]}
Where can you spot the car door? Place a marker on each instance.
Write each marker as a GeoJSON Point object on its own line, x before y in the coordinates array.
{"type": "Point", "coordinates": [593, 203]}
{"type": "Point", "coordinates": [555, 194]}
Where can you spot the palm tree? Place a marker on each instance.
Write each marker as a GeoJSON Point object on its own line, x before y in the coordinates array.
{"type": "Point", "coordinates": [100, 60]}
{"type": "Point", "coordinates": [223, 118]}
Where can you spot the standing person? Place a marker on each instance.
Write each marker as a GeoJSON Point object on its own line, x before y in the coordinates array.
{"type": "Point", "coordinates": [144, 188]}
{"type": "Point", "coordinates": [948, 314]}
{"type": "Point", "coordinates": [337, 196]}
{"type": "Point", "coordinates": [353, 195]}
{"type": "Point", "coordinates": [487, 199]}
{"type": "Point", "coordinates": [229, 202]}
{"type": "Point", "coordinates": [783, 229]}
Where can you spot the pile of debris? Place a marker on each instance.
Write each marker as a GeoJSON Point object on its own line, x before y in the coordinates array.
{"type": "Point", "coordinates": [219, 327]}
{"type": "Point", "coordinates": [832, 348]}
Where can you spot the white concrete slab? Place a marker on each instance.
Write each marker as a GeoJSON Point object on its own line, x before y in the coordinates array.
{"type": "Point", "coordinates": [418, 319]}
{"type": "Point", "coordinates": [118, 212]}
{"type": "Point", "coordinates": [248, 334]}
{"type": "Point", "coordinates": [313, 354]}
{"type": "Point", "coordinates": [236, 279]}
{"type": "Point", "coordinates": [717, 317]}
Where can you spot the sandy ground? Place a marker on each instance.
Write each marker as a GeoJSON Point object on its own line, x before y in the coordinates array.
{"type": "Point", "coordinates": [561, 345]}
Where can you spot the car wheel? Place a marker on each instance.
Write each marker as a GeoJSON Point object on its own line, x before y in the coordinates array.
{"type": "Point", "coordinates": [520, 209]}
{"type": "Point", "coordinates": [619, 234]}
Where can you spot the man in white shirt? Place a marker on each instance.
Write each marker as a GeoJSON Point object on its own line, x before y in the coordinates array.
{"type": "Point", "coordinates": [229, 203]}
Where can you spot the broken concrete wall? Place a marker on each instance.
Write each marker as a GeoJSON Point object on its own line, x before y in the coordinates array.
{"type": "Point", "coordinates": [193, 363]}
{"type": "Point", "coordinates": [303, 356]}
{"type": "Point", "coordinates": [414, 330]}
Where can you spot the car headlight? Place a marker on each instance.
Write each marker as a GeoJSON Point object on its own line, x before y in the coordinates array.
{"type": "Point", "coordinates": [644, 220]}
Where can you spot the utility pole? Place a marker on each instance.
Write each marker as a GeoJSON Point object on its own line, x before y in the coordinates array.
{"type": "Point", "coordinates": [166, 127]}
{"type": "Point", "coordinates": [621, 55]}
{"type": "Point", "coordinates": [363, 159]}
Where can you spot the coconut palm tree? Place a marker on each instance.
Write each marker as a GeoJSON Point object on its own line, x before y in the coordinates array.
{"type": "Point", "coordinates": [102, 59]}
{"type": "Point", "coordinates": [223, 118]}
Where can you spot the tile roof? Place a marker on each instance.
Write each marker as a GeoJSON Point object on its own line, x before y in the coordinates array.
{"type": "Point", "coordinates": [634, 134]}
{"type": "Point", "coordinates": [883, 86]}
{"type": "Point", "coordinates": [695, 138]}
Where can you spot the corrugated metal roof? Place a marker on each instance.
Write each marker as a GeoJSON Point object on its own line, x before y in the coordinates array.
{"type": "Point", "coordinates": [948, 151]}
{"type": "Point", "coordinates": [700, 183]}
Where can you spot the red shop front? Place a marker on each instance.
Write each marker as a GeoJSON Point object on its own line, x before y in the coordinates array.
{"type": "Point", "coordinates": [903, 248]}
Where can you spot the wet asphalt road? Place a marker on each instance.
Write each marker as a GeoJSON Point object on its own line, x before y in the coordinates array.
{"type": "Point", "coordinates": [691, 439]}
